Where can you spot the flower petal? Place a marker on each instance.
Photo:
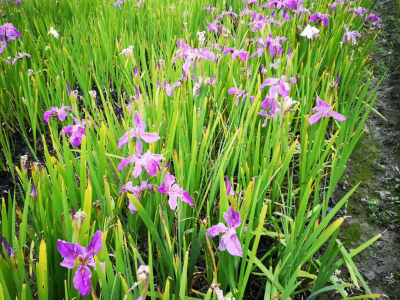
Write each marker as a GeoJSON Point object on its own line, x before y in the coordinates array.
{"type": "Point", "coordinates": [82, 280]}
{"type": "Point", "coordinates": [95, 244]}
{"type": "Point", "coordinates": [232, 218]}
{"type": "Point", "coordinates": [215, 230]}
{"type": "Point", "coordinates": [125, 162]}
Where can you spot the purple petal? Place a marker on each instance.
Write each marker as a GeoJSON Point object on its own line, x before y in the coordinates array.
{"type": "Point", "coordinates": [229, 190]}
{"type": "Point", "coordinates": [232, 218]}
{"type": "Point", "coordinates": [139, 146]}
{"type": "Point", "coordinates": [138, 122]}
{"type": "Point", "coordinates": [82, 280]}
{"type": "Point", "coordinates": [125, 162]}
{"type": "Point", "coordinates": [67, 250]}
{"type": "Point", "coordinates": [315, 118]}
{"type": "Point", "coordinates": [47, 115]}
{"type": "Point", "coordinates": [150, 137]}
{"type": "Point", "coordinates": [215, 230]}
{"type": "Point", "coordinates": [233, 90]}
{"type": "Point", "coordinates": [231, 243]}
{"type": "Point", "coordinates": [173, 201]}
{"type": "Point", "coordinates": [7, 247]}
{"type": "Point", "coordinates": [337, 116]}
{"type": "Point", "coordinates": [95, 244]}
{"type": "Point", "coordinates": [131, 207]}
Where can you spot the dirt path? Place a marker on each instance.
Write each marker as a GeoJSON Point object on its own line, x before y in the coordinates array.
{"type": "Point", "coordinates": [375, 207]}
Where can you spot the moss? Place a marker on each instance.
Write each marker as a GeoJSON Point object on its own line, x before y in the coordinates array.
{"type": "Point", "coordinates": [350, 234]}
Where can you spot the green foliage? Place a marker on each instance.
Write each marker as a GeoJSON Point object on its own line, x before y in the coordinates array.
{"type": "Point", "coordinates": [283, 174]}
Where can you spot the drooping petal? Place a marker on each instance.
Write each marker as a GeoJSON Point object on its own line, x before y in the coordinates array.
{"type": "Point", "coordinates": [62, 114]}
{"type": "Point", "coordinates": [82, 280]}
{"type": "Point", "coordinates": [269, 82]}
{"type": "Point", "coordinates": [231, 243]}
{"type": "Point", "coordinates": [131, 207]}
{"type": "Point", "coordinates": [337, 116]}
{"type": "Point", "coordinates": [47, 115]}
{"type": "Point", "coordinates": [315, 118]}
{"type": "Point", "coordinates": [125, 162]}
{"type": "Point", "coordinates": [215, 230]}
{"type": "Point", "coordinates": [68, 263]}
{"type": "Point", "coordinates": [150, 137]}
{"type": "Point", "coordinates": [173, 201]}
{"type": "Point", "coordinates": [139, 146]}
{"type": "Point", "coordinates": [95, 244]}
{"type": "Point", "coordinates": [185, 197]}
{"type": "Point", "coordinates": [137, 170]}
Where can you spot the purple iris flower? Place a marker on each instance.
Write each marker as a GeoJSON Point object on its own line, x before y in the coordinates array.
{"type": "Point", "coordinates": [227, 13]}
{"type": "Point", "coordinates": [190, 54]}
{"type": "Point", "coordinates": [211, 81]}
{"type": "Point", "coordinates": [229, 189]}
{"type": "Point", "coordinates": [375, 20]}
{"type": "Point", "coordinates": [320, 17]}
{"type": "Point", "coordinates": [323, 109]}
{"type": "Point", "coordinates": [9, 32]}
{"type": "Point", "coordinates": [248, 2]}
{"type": "Point", "coordinates": [169, 88]}
{"type": "Point", "coordinates": [174, 191]}
{"type": "Point", "coordinates": [75, 132]}
{"type": "Point", "coordinates": [118, 3]}
{"type": "Point", "coordinates": [213, 26]}
{"type": "Point", "coordinates": [239, 93]}
{"type": "Point", "coordinates": [20, 56]}
{"type": "Point", "coordinates": [135, 190]}
{"type": "Point", "coordinates": [229, 241]}
{"type": "Point", "coordinates": [7, 247]}
{"type": "Point", "coordinates": [33, 191]}
{"type": "Point", "coordinates": [149, 161]}
{"type": "Point", "coordinates": [350, 36]}
{"type": "Point", "coordinates": [60, 113]}
{"type": "Point", "coordinates": [138, 131]}
{"type": "Point", "coordinates": [278, 85]}
{"type": "Point", "coordinates": [288, 4]}
{"type": "Point", "coordinates": [274, 45]}
{"type": "Point", "coordinates": [71, 253]}
{"type": "Point", "coordinates": [358, 11]}
{"type": "Point", "coordinates": [139, 4]}
{"type": "Point", "coordinates": [208, 8]}
{"type": "Point", "coordinates": [236, 53]}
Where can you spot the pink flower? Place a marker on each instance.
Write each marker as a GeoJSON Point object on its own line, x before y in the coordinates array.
{"type": "Point", "coordinates": [60, 113]}
{"type": "Point", "coordinates": [171, 188]}
{"type": "Point", "coordinates": [138, 131]}
{"type": "Point", "coordinates": [149, 161]}
{"type": "Point", "coordinates": [236, 53]}
{"type": "Point", "coordinates": [323, 109]}
{"type": "Point", "coordinates": [229, 240]}
{"type": "Point", "coordinates": [75, 132]}
{"type": "Point", "coordinates": [169, 88]}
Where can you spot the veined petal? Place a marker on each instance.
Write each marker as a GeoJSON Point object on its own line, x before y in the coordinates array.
{"type": "Point", "coordinates": [82, 280]}
{"type": "Point", "coordinates": [139, 124]}
{"type": "Point", "coordinates": [125, 162]}
{"type": "Point", "coordinates": [315, 118]}
{"type": "Point", "coordinates": [150, 137]}
{"type": "Point", "coordinates": [173, 201]}
{"type": "Point", "coordinates": [215, 230]}
{"type": "Point", "coordinates": [232, 218]}
{"type": "Point", "coordinates": [337, 116]}
{"type": "Point", "coordinates": [67, 250]}
{"type": "Point", "coordinates": [95, 244]}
